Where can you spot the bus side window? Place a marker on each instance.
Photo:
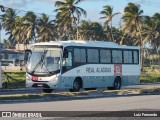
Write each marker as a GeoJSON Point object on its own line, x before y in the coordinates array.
{"type": "Point", "coordinates": [68, 61]}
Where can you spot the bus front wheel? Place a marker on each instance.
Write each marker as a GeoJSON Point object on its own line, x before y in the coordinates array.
{"type": "Point", "coordinates": [76, 86]}
{"type": "Point", "coordinates": [47, 90]}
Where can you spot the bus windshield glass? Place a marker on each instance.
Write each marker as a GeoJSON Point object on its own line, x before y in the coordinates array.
{"type": "Point", "coordinates": [44, 60]}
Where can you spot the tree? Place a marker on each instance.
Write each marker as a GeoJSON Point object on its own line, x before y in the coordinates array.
{"type": "Point", "coordinates": [30, 23]}
{"type": "Point", "coordinates": [96, 31]}
{"type": "Point", "coordinates": [7, 44]}
{"type": "Point", "coordinates": [69, 14]}
{"type": "Point", "coordinates": [8, 24]}
{"type": "Point", "coordinates": [150, 30]}
{"type": "Point", "coordinates": [84, 30]}
{"type": "Point", "coordinates": [45, 29]}
{"type": "Point", "coordinates": [108, 16]}
{"type": "Point", "coordinates": [91, 31]}
{"type": "Point", "coordinates": [156, 42]}
{"type": "Point", "coordinates": [20, 31]}
{"type": "Point", "coordinates": [133, 21]}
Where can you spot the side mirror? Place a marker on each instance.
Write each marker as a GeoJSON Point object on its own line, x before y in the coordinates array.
{"type": "Point", "coordinates": [27, 54]}
{"type": "Point", "coordinates": [65, 53]}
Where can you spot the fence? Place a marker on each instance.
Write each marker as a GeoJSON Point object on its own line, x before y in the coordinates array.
{"type": "Point", "coordinates": [13, 80]}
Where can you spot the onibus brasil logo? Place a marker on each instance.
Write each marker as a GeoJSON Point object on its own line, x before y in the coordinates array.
{"type": "Point", "coordinates": [21, 114]}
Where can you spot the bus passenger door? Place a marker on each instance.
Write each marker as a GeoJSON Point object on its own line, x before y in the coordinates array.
{"type": "Point", "coordinates": [67, 66]}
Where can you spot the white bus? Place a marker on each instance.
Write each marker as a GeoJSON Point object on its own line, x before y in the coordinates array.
{"type": "Point", "coordinates": [81, 64]}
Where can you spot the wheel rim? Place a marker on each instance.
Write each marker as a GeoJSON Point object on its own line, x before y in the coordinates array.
{"type": "Point", "coordinates": [117, 84]}
{"type": "Point", "coordinates": [76, 85]}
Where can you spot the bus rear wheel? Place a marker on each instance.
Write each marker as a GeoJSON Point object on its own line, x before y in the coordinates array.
{"type": "Point", "coordinates": [76, 86]}
{"type": "Point", "coordinates": [117, 83]}
{"type": "Point", "coordinates": [47, 90]}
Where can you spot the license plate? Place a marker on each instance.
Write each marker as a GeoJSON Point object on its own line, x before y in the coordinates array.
{"type": "Point", "coordinates": [40, 85]}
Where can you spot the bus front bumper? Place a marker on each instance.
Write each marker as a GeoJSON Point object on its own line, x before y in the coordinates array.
{"type": "Point", "coordinates": [49, 85]}
{"type": "Point", "coordinates": [52, 84]}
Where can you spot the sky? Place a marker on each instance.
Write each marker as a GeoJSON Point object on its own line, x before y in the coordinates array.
{"type": "Point", "coordinates": [93, 7]}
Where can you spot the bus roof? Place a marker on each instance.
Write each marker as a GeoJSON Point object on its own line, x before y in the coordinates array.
{"type": "Point", "coordinates": [86, 44]}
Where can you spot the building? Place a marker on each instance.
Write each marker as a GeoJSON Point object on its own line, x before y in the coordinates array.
{"type": "Point", "coordinates": [13, 56]}
{"type": "Point", "coordinates": [10, 56]}
{"type": "Point", "coordinates": [22, 47]}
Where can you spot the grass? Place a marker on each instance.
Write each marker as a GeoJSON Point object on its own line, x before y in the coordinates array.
{"type": "Point", "coordinates": [16, 79]}
{"type": "Point", "coordinates": [150, 76]}
{"type": "Point", "coordinates": [83, 93]}
{"type": "Point", "coordinates": [149, 91]}
{"type": "Point", "coordinates": [34, 96]}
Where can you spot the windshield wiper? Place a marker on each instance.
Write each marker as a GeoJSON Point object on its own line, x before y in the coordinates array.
{"type": "Point", "coordinates": [41, 61]}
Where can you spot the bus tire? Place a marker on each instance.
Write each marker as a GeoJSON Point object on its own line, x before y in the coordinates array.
{"type": "Point", "coordinates": [76, 86]}
{"type": "Point", "coordinates": [47, 90]}
{"type": "Point", "coordinates": [117, 83]}
{"type": "Point", "coordinates": [90, 89]}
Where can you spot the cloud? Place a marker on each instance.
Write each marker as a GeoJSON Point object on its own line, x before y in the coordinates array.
{"type": "Point", "coordinates": [23, 3]}
{"type": "Point", "coordinates": [48, 1]}
{"type": "Point", "coordinates": [15, 3]}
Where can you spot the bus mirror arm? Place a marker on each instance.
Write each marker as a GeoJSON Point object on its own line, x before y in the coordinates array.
{"type": "Point", "coordinates": [26, 55]}
{"type": "Point", "coordinates": [65, 53]}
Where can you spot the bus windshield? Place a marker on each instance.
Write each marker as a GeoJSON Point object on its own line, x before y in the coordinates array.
{"type": "Point", "coordinates": [44, 60]}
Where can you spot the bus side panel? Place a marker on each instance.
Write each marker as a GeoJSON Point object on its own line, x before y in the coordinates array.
{"type": "Point", "coordinates": [130, 80]}
{"type": "Point", "coordinates": [93, 76]}
{"type": "Point", "coordinates": [109, 80]}
{"type": "Point", "coordinates": [66, 81]}
{"type": "Point", "coordinates": [130, 74]}
{"type": "Point", "coordinates": [87, 82]}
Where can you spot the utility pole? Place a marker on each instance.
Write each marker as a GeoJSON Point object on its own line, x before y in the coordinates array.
{"type": "Point", "coordinates": [2, 10]}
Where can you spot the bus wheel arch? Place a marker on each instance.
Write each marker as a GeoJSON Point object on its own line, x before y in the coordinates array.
{"type": "Point", "coordinates": [77, 84]}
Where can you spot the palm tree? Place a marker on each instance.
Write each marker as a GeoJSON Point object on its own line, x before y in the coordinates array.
{"type": "Point", "coordinates": [150, 30]}
{"type": "Point", "coordinates": [8, 23]}
{"type": "Point", "coordinates": [96, 31]}
{"type": "Point", "coordinates": [20, 31]}
{"type": "Point", "coordinates": [64, 26]}
{"type": "Point", "coordinates": [84, 30]}
{"type": "Point", "coordinates": [45, 29]}
{"type": "Point", "coordinates": [7, 44]}
{"type": "Point", "coordinates": [149, 33]}
{"type": "Point", "coordinates": [30, 23]}
{"type": "Point", "coordinates": [108, 16]}
{"type": "Point", "coordinates": [133, 21]}
{"type": "Point", "coordinates": [156, 42]}
{"type": "Point", "coordinates": [71, 13]}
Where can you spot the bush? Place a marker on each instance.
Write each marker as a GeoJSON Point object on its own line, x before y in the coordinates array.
{"type": "Point", "coordinates": [150, 77]}
{"type": "Point", "coordinates": [16, 80]}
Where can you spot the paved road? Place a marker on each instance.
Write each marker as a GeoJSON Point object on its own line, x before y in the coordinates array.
{"type": "Point", "coordinates": [98, 104]}
{"type": "Point", "coordinates": [37, 91]}
{"type": "Point", "coordinates": [129, 103]}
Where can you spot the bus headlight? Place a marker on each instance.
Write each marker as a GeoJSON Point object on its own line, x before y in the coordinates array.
{"type": "Point", "coordinates": [54, 79]}
{"type": "Point", "coordinates": [28, 78]}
